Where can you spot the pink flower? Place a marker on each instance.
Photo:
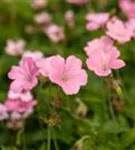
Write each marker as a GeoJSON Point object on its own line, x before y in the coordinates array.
{"type": "Point", "coordinates": [24, 76]}
{"type": "Point", "coordinates": [55, 33]}
{"type": "Point", "coordinates": [24, 96]}
{"type": "Point", "coordinates": [13, 95]}
{"type": "Point", "coordinates": [97, 44]}
{"type": "Point", "coordinates": [15, 48]}
{"type": "Point", "coordinates": [19, 106]}
{"type": "Point", "coordinates": [43, 18]}
{"type": "Point", "coordinates": [3, 112]}
{"type": "Point", "coordinates": [38, 4]}
{"type": "Point", "coordinates": [20, 116]}
{"type": "Point", "coordinates": [70, 18]}
{"type": "Point", "coordinates": [131, 24]}
{"type": "Point", "coordinates": [102, 62]}
{"type": "Point", "coordinates": [78, 2]}
{"type": "Point", "coordinates": [128, 7]}
{"type": "Point", "coordinates": [119, 31]}
{"type": "Point", "coordinates": [96, 20]}
{"type": "Point", "coordinates": [45, 67]}
{"type": "Point", "coordinates": [35, 55]}
{"type": "Point", "coordinates": [68, 74]}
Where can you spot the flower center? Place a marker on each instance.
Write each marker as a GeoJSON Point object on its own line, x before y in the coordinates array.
{"type": "Point", "coordinates": [64, 78]}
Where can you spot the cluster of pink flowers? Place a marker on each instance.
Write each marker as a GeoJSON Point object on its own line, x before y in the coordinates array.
{"type": "Point", "coordinates": [120, 31]}
{"type": "Point", "coordinates": [20, 102]}
{"type": "Point", "coordinates": [17, 108]}
{"type": "Point", "coordinates": [68, 74]}
{"type": "Point", "coordinates": [54, 32]}
{"type": "Point", "coordinates": [43, 21]}
{"type": "Point", "coordinates": [61, 72]}
{"type": "Point", "coordinates": [103, 56]}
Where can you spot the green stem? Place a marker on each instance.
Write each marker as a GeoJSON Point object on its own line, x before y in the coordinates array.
{"type": "Point", "coordinates": [111, 109]}
{"type": "Point", "coordinates": [125, 95]}
{"type": "Point", "coordinates": [19, 134]}
{"type": "Point", "coordinates": [109, 83]}
{"type": "Point", "coordinates": [49, 138]}
{"type": "Point", "coordinates": [55, 140]}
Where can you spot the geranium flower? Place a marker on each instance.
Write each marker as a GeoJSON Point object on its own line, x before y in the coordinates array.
{"type": "Point", "coordinates": [55, 33]}
{"type": "Point", "coordinates": [68, 74]}
{"type": "Point", "coordinates": [103, 43]}
{"type": "Point", "coordinates": [70, 18]}
{"type": "Point", "coordinates": [24, 76]}
{"type": "Point", "coordinates": [44, 66]}
{"type": "Point", "coordinates": [102, 62]}
{"type": "Point", "coordinates": [15, 48]}
{"type": "Point", "coordinates": [19, 106]}
{"type": "Point", "coordinates": [96, 20]}
{"type": "Point", "coordinates": [119, 31]}
{"type": "Point", "coordinates": [35, 55]}
{"type": "Point", "coordinates": [43, 18]}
